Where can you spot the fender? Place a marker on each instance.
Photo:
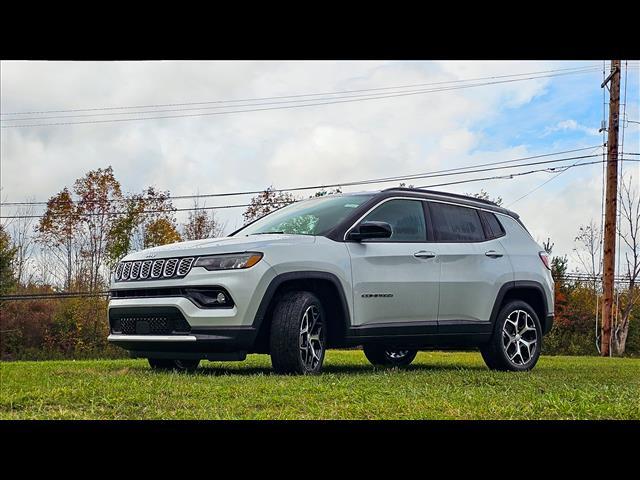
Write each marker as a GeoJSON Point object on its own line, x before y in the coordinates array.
{"type": "Point", "coordinates": [301, 275]}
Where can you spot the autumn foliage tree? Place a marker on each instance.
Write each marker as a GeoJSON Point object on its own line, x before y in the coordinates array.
{"type": "Point", "coordinates": [266, 202]}
{"type": "Point", "coordinates": [630, 235]}
{"type": "Point", "coordinates": [147, 220]}
{"type": "Point", "coordinates": [7, 255]}
{"type": "Point", "coordinates": [202, 224]}
{"type": "Point", "coordinates": [58, 231]}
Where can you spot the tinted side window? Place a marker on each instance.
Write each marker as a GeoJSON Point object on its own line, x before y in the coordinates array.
{"type": "Point", "coordinates": [455, 224]}
{"type": "Point", "coordinates": [406, 218]}
{"type": "Point", "coordinates": [495, 228]}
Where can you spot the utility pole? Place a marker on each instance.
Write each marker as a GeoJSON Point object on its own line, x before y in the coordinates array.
{"type": "Point", "coordinates": [609, 246]}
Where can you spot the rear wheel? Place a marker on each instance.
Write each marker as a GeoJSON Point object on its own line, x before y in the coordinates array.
{"type": "Point", "coordinates": [298, 334]}
{"type": "Point", "coordinates": [389, 356]}
{"type": "Point", "coordinates": [516, 341]}
{"type": "Point", "coordinates": [179, 365]}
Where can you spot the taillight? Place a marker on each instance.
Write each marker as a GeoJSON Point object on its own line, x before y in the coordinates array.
{"type": "Point", "coordinates": [544, 256]}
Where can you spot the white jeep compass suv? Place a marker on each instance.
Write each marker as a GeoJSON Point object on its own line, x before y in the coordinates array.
{"type": "Point", "coordinates": [395, 271]}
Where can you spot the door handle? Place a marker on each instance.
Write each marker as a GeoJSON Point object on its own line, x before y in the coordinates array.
{"type": "Point", "coordinates": [424, 254]}
{"type": "Point", "coordinates": [493, 254]}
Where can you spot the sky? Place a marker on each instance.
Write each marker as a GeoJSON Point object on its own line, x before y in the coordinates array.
{"type": "Point", "coordinates": [314, 145]}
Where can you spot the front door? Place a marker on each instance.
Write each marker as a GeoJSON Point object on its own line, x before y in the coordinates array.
{"type": "Point", "coordinates": [396, 279]}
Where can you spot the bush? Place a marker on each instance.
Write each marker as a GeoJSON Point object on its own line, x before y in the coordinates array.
{"type": "Point", "coordinates": [574, 328]}
{"type": "Point", "coordinates": [55, 329]}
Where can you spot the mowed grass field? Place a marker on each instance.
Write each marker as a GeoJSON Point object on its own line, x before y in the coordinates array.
{"type": "Point", "coordinates": [437, 385]}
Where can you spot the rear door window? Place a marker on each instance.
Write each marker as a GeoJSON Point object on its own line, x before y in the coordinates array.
{"type": "Point", "coordinates": [494, 227]}
{"type": "Point", "coordinates": [453, 223]}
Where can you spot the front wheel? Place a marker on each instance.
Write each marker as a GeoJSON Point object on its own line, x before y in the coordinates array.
{"type": "Point", "coordinates": [388, 356]}
{"type": "Point", "coordinates": [516, 341]}
{"type": "Point", "coordinates": [298, 334]}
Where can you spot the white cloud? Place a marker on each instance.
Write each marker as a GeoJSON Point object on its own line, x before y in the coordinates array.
{"type": "Point", "coordinates": [571, 125]}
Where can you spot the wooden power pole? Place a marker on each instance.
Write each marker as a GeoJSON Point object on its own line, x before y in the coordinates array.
{"type": "Point", "coordinates": [609, 247]}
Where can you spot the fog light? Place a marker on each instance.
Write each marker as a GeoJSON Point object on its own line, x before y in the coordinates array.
{"type": "Point", "coordinates": [209, 297]}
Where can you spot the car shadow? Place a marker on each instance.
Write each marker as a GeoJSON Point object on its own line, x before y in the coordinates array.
{"type": "Point", "coordinates": [220, 370]}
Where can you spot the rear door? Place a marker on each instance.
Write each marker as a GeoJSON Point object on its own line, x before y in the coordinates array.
{"type": "Point", "coordinates": [473, 266]}
{"type": "Point", "coordinates": [396, 280]}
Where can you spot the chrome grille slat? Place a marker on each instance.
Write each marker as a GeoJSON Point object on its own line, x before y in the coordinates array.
{"type": "Point", "coordinates": [156, 271]}
{"type": "Point", "coordinates": [146, 269]}
{"type": "Point", "coordinates": [126, 271]}
{"type": "Point", "coordinates": [160, 269]}
{"type": "Point", "coordinates": [170, 267]}
{"type": "Point", "coordinates": [119, 269]}
{"type": "Point", "coordinates": [135, 270]}
{"type": "Point", "coordinates": [185, 266]}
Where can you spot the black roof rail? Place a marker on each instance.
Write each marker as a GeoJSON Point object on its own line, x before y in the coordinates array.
{"type": "Point", "coordinates": [443, 194]}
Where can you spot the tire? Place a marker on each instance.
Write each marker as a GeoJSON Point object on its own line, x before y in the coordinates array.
{"type": "Point", "coordinates": [160, 364]}
{"type": "Point", "coordinates": [516, 341]}
{"type": "Point", "coordinates": [186, 365]}
{"type": "Point", "coordinates": [298, 333]}
{"type": "Point", "coordinates": [382, 356]}
{"type": "Point", "coordinates": [179, 365]}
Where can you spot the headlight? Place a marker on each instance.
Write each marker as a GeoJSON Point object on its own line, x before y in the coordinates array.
{"type": "Point", "coordinates": [229, 262]}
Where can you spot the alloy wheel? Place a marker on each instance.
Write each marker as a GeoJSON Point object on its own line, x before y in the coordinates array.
{"type": "Point", "coordinates": [396, 354]}
{"type": "Point", "coordinates": [311, 338]}
{"type": "Point", "coordinates": [519, 337]}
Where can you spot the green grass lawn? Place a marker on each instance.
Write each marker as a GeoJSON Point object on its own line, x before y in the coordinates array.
{"type": "Point", "coordinates": [437, 385]}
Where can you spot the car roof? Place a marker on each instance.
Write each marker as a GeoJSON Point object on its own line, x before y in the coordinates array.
{"type": "Point", "coordinates": [457, 198]}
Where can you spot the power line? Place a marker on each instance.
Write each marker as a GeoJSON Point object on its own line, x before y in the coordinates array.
{"type": "Point", "coordinates": [262, 103]}
{"type": "Point", "coordinates": [220, 207]}
{"type": "Point", "coordinates": [330, 102]}
{"type": "Point", "coordinates": [52, 295]}
{"type": "Point", "coordinates": [518, 174]}
{"type": "Point", "coordinates": [542, 184]}
{"type": "Point", "coordinates": [411, 177]}
{"type": "Point", "coordinates": [344, 184]}
{"type": "Point", "coordinates": [130, 107]}
{"type": "Point", "coordinates": [572, 277]}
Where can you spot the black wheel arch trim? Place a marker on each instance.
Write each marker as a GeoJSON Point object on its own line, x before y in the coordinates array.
{"type": "Point", "coordinates": [547, 317]}
{"type": "Point", "coordinates": [301, 275]}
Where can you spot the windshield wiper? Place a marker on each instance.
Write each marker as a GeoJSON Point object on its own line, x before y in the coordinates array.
{"type": "Point", "coordinates": [266, 233]}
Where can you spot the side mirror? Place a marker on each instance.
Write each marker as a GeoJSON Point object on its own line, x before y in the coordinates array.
{"type": "Point", "coordinates": [370, 230]}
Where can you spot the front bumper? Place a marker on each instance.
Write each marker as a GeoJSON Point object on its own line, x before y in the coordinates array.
{"type": "Point", "coordinates": [202, 332]}
{"type": "Point", "coordinates": [219, 344]}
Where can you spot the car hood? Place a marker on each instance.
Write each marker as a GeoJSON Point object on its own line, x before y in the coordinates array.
{"type": "Point", "coordinates": [212, 246]}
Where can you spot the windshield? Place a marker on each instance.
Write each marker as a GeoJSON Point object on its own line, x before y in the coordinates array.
{"type": "Point", "coordinates": [309, 217]}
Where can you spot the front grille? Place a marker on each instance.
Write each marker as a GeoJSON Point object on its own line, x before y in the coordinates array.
{"type": "Point", "coordinates": [154, 269]}
{"type": "Point", "coordinates": [148, 321]}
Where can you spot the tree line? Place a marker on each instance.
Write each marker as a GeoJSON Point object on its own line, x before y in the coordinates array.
{"type": "Point", "coordinates": [86, 229]}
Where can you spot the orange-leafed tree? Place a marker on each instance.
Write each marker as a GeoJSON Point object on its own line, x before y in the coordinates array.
{"type": "Point", "coordinates": [160, 232]}
{"type": "Point", "coordinates": [202, 224]}
{"type": "Point", "coordinates": [59, 230]}
{"type": "Point", "coordinates": [266, 202]}
{"type": "Point", "coordinates": [99, 199]}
